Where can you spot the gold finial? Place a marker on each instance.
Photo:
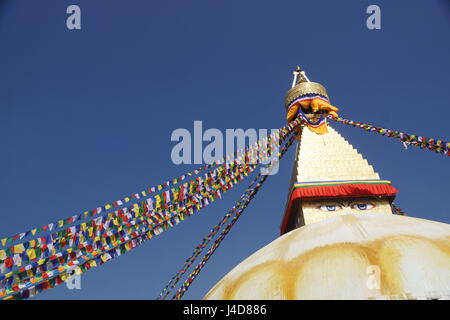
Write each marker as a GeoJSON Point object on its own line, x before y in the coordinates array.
{"type": "Point", "coordinates": [299, 76]}
{"type": "Point", "coordinates": [301, 85]}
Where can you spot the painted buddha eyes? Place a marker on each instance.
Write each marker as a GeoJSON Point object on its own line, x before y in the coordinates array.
{"type": "Point", "coordinates": [356, 206]}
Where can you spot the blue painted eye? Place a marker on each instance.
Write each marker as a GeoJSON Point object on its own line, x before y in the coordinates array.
{"type": "Point", "coordinates": [362, 206]}
{"type": "Point", "coordinates": [330, 207]}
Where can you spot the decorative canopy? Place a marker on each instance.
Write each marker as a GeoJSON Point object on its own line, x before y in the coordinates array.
{"type": "Point", "coordinates": [301, 86]}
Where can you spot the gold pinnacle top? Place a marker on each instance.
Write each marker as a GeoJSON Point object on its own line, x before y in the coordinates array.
{"type": "Point", "coordinates": [302, 86]}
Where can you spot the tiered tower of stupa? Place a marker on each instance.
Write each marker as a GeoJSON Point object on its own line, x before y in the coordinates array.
{"type": "Point", "coordinates": [326, 165]}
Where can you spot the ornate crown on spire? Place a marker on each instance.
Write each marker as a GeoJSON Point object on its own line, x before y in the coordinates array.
{"type": "Point", "coordinates": [301, 86]}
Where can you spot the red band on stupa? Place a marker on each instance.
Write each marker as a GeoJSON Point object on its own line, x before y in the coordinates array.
{"type": "Point", "coordinates": [336, 189]}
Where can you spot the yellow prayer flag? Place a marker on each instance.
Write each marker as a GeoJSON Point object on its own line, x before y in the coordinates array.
{"type": "Point", "coordinates": [31, 253]}
{"type": "Point", "coordinates": [18, 248]}
{"type": "Point", "coordinates": [158, 200]}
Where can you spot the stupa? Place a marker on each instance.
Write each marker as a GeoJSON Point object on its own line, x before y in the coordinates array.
{"type": "Point", "coordinates": [340, 235]}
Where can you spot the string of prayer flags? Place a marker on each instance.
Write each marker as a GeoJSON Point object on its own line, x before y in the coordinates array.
{"type": "Point", "coordinates": [280, 134]}
{"type": "Point", "coordinates": [158, 203]}
{"type": "Point", "coordinates": [94, 242]}
{"type": "Point", "coordinates": [439, 146]}
{"type": "Point", "coordinates": [155, 231]}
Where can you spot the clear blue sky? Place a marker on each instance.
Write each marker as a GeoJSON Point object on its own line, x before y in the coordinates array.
{"type": "Point", "coordinates": [86, 116]}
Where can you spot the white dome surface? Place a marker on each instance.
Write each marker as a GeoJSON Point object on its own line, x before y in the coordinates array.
{"type": "Point", "coordinates": [353, 256]}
